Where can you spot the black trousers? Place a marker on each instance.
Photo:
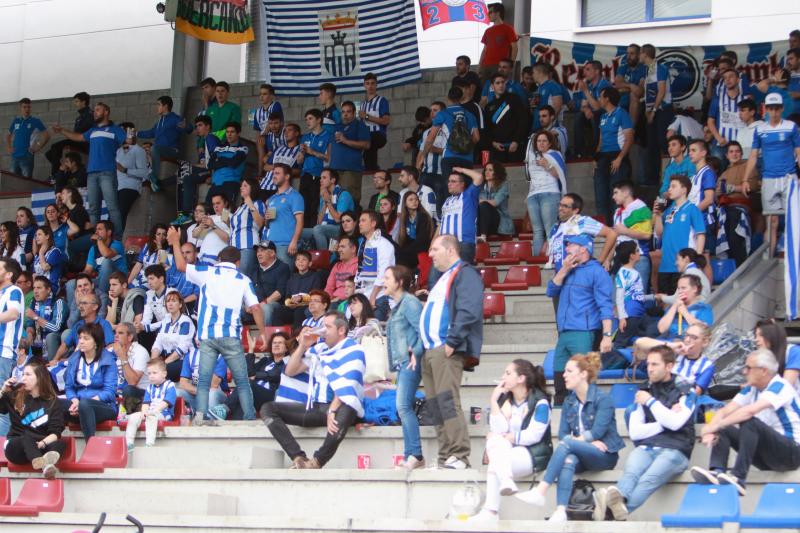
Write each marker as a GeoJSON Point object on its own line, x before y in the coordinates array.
{"type": "Point", "coordinates": [756, 444]}
{"type": "Point", "coordinates": [22, 450]}
{"type": "Point", "coordinates": [309, 189]}
{"type": "Point", "coordinates": [126, 199]}
{"type": "Point", "coordinates": [376, 142]}
{"type": "Point", "coordinates": [260, 397]}
{"type": "Point", "coordinates": [488, 219]}
{"type": "Point", "coordinates": [276, 416]}
{"type": "Point", "coordinates": [737, 245]}
{"type": "Point", "coordinates": [668, 281]}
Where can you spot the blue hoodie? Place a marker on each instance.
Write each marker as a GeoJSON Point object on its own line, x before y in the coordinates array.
{"type": "Point", "coordinates": [585, 298]}
{"type": "Point", "coordinates": [166, 132]}
{"type": "Point", "coordinates": [104, 380]}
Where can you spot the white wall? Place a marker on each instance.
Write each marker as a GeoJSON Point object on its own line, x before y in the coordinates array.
{"type": "Point", "coordinates": [732, 22]}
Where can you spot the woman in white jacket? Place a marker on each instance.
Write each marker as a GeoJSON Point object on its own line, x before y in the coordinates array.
{"type": "Point", "coordinates": [547, 176]}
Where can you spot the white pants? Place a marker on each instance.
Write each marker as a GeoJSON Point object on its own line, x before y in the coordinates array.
{"type": "Point", "coordinates": [791, 249]}
{"type": "Point", "coordinates": [150, 427]}
{"type": "Point", "coordinates": [506, 461]}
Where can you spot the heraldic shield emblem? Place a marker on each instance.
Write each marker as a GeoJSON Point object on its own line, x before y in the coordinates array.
{"type": "Point", "coordinates": [338, 40]}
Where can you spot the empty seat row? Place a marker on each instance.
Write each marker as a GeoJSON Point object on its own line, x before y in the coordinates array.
{"type": "Point", "coordinates": [100, 453]}
{"type": "Point", "coordinates": [518, 278]}
{"type": "Point", "coordinates": [510, 253]}
{"type": "Point", "coordinates": [37, 496]}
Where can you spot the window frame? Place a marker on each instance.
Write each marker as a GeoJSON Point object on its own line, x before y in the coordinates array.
{"type": "Point", "coordinates": [649, 16]}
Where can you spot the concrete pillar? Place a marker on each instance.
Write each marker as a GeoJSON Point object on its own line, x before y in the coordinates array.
{"type": "Point", "coordinates": [256, 54]}
{"type": "Point", "coordinates": [188, 67]}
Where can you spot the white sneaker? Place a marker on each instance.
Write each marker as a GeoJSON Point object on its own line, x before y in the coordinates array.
{"type": "Point", "coordinates": [412, 463]}
{"type": "Point", "coordinates": [600, 504]}
{"type": "Point", "coordinates": [531, 497]}
{"type": "Point", "coordinates": [454, 463]}
{"type": "Point", "coordinates": [484, 517]}
{"type": "Point", "coordinates": [616, 502]}
{"type": "Point", "coordinates": [559, 516]}
{"type": "Point", "coordinates": [508, 487]}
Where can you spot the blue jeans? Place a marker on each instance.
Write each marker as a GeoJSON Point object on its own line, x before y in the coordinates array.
{"type": "Point", "coordinates": [103, 186]}
{"type": "Point", "coordinates": [647, 469]}
{"type": "Point", "coordinates": [574, 456]}
{"type": "Point", "coordinates": [215, 397]}
{"type": "Point", "coordinates": [604, 179]}
{"type": "Point", "coordinates": [6, 365]}
{"type": "Point", "coordinates": [90, 412]}
{"type": "Point", "coordinates": [248, 263]}
{"type": "Point", "coordinates": [543, 212]}
{"type": "Point", "coordinates": [156, 153]}
{"type": "Point", "coordinates": [407, 385]}
{"type": "Point", "coordinates": [23, 165]}
{"type": "Point", "coordinates": [269, 310]}
{"type": "Point", "coordinates": [643, 268]}
{"type": "Point", "coordinates": [231, 350]}
{"type": "Point", "coordinates": [324, 233]}
{"type": "Point", "coordinates": [282, 251]}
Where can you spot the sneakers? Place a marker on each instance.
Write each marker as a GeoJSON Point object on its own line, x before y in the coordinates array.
{"type": "Point", "coordinates": [727, 478]}
{"type": "Point", "coordinates": [412, 463]}
{"type": "Point", "coordinates": [199, 421]}
{"type": "Point", "coordinates": [298, 463]}
{"type": "Point", "coordinates": [508, 487]}
{"type": "Point", "coordinates": [131, 447]}
{"type": "Point", "coordinates": [50, 471]}
{"type": "Point", "coordinates": [48, 467]}
{"type": "Point", "coordinates": [616, 503]}
{"type": "Point", "coordinates": [219, 412]}
{"type": "Point", "coordinates": [484, 517]}
{"type": "Point", "coordinates": [600, 505]}
{"type": "Point", "coordinates": [312, 464]}
{"type": "Point", "coordinates": [182, 219]}
{"type": "Point", "coordinates": [154, 184]}
{"type": "Point", "coordinates": [703, 476]}
{"type": "Point", "coordinates": [560, 515]}
{"type": "Point", "coordinates": [532, 497]}
{"type": "Point", "coordinates": [454, 463]}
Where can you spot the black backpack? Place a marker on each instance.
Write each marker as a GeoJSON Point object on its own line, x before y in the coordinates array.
{"type": "Point", "coordinates": [460, 139]}
{"type": "Point", "coordinates": [581, 501]}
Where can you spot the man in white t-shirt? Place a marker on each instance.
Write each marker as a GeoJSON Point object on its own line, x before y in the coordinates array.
{"type": "Point", "coordinates": [762, 423]}
{"type": "Point", "coordinates": [214, 230]}
{"type": "Point", "coordinates": [747, 114]}
{"type": "Point", "coordinates": [132, 360]}
{"type": "Point", "coordinates": [685, 124]}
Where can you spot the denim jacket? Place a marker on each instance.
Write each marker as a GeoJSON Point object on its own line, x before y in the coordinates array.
{"type": "Point", "coordinates": [402, 330]}
{"type": "Point", "coordinates": [599, 422]}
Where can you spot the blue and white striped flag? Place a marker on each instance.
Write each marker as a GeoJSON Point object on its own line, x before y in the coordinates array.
{"type": "Point", "coordinates": [41, 198]}
{"type": "Point", "coordinates": [339, 41]}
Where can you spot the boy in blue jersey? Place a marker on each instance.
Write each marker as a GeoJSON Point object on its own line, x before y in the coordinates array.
{"type": "Point", "coordinates": [628, 82]}
{"type": "Point", "coordinates": [778, 142]}
{"type": "Point", "coordinates": [166, 134]}
{"type": "Point", "coordinates": [549, 95]}
{"type": "Point", "coordinates": [614, 143]}
{"type": "Point", "coordinates": [104, 139]}
{"type": "Point", "coordinates": [267, 119]}
{"type": "Point", "coordinates": [227, 164]}
{"type": "Point", "coordinates": [333, 201]}
{"type": "Point", "coordinates": [350, 139]}
{"type": "Point", "coordinates": [679, 163]}
{"type": "Point", "coordinates": [331, 116]}
{"type": "Point", "coordinates": [658, 111]}
{"type": "Point", "coordinates": [315, 147]}
{"type": "Point", "coordinates": [762, 423]}
{"type": "Point", "coordinates": [11, 323]}
{"type": "Point", "coordinates": [375, 114]}
{"type": "Point", "coordinates": [158, 404]}
{"type": "Point", "coordinates": [20, 140]}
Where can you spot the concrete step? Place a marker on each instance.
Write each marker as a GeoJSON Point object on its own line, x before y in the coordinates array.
{"type": "Point", "coordinates": [335, 493]}
{"type": "Point", "coordinates": [523, 334]}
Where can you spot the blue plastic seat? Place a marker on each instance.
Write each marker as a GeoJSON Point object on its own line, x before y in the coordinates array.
{"type": "Point", "coordinates": [779, 507]}
{"type": "Point", "coordinates": [722, 269]}
{"type": "Point", "coordinates": [705, 506]}
{"type": "Point", "coordinates": [623, 394]}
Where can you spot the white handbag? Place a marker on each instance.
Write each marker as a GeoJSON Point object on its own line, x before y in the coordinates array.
{"type": "Point", "coordinates": [376, 356]}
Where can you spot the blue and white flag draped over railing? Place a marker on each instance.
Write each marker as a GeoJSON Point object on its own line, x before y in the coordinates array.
{"type": "Point", "coordinates": [339, 41]}
{"type": "Point", "coordinates": [41, 198]}
{"type": "Point", "coordinates": [688, 65]}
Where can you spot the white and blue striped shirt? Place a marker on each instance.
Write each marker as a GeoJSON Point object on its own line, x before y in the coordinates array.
{"type": "Point", "coordinates": [244, 231]}
{"type": "Point", "coordinates": [725, 111]}
{"type": "Point", "coordinates": [282, 154]}
{"type": "Point", "coordinates": [784, 414]}
{"type": "Point", "coordinates": [433, 162]}
{"type": "Point", "coordinates": [312, 322]}
{"type": "Point", "coordinates": [294, 389]}
{"type": "Point", "coordinates": [459, 215]}
{"type": "Point", "coordinates": [377, 106]}
{"type": "Point", "coordinates": [11, 298]}
{"type": "Point", "coordinates": [275, 140]}
{"type": "Point", "coordinates": [86, 371]}
{"type": "Point", "coordinates": [177, 336]}
{"type": "Point", "coordinates": [341, 368]}
{"type": "Point", "coordinates": [261, 116]}
{"type": "Point", "coordinates": [164, 392]}
{"type": "Point", "coordinates": [223, 289]}
{"type": "Point", "coordinates": [435, 318]}
{"type": "Point", "coordinates": [698, 372]}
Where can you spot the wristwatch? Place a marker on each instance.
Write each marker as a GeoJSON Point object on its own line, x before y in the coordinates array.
{"type": "Point", "coordinates": [331, 411]}
{"type": "Point", "coordinates": [608, 334]}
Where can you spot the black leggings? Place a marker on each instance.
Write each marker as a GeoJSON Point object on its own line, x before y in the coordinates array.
{"type": "Point", "coordinates": [22, 450]}
{"type": "Point", "coordinates": [488, 219]}
{"type": "Point", "coordinates": [126, 199]}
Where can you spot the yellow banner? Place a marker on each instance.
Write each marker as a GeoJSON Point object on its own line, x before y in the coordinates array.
{"type": "Point", "coordinates": [220, 21]}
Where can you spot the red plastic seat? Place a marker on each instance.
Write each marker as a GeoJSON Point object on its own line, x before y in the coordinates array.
{"type": "Point", "coordinates": [135, 242]}
{"type": "Point", "coordinates": [519, 278]}
{"type": "Point", "coordinates": [499, 238]}
{"type": "Point", "coordinates": [67, 457]}
{"type": "Point", "coordinates": [37, 496]}
{"type": "Point", "coordinates": [100, 452]}
{"type": "Point", "coordinates": [482, 252]}
{"type": "Point", "coordinates": [320, 259]}
{"type": "Point", "coordinates": [494, 304]}
{"type": "Point", "coordinates": [3, 460]}
{"type": "Point", "coordinates": [511, 253]}
{"type": "Point", "coordinates": [5, 491]}
{"type": "Point", "coordinates": [424, 264]}
{"type": "Point", "coordinates": [176, 421]}
{"type": "Point", "coordinates": [488, 275]}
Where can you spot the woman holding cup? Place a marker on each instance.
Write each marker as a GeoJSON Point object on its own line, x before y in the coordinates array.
{"type": "Point", "coordinates": [547, 175]}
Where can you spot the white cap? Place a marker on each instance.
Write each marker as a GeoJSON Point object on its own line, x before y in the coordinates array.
{"type": "Point", "coordinates": [773, 99]}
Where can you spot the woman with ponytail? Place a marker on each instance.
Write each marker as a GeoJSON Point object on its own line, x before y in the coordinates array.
{"type": "Point", "coordinates": [689, 261]}
{"type": "Point", "coordinates": [587, 434]}
{"type": "Point", "coordinates": [519, 442]}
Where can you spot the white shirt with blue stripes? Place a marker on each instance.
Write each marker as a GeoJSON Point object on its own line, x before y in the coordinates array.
{"type": "Point", "coordinates": [783, 415]}
{"type": "Point", "coordinates": [223, 289]}
{"type": "Point", "coordinates": [11, 298]}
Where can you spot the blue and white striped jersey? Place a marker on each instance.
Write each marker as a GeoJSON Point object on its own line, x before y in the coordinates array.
{"type": "Point", "coordinates": [435, 318]}
{"type": "Point", "coordinates": [342, 369]}
{"type": "Point", "coordinates": [460, 215]}
{"type": "Point", "coordinates": [175, 336]}
{"type": "Point", "coordinates": [164, 392]}
{"type": "Point", "coordinates": [223, 289]}
{"type": "Point", "coordinates": [698, 372]}
{"type": "Point", "coordinates": [282, 154]}
{"type": "Point", "coordinates": [261, 116]}
{"type": "Point", "coordinates": [244, 231]}
{"type": "Point", "coordinates": [11, 298]}
{"type": "Point", "coordinates": [377, 106]}
{"type": "Point", "coordinates": [784, 414]}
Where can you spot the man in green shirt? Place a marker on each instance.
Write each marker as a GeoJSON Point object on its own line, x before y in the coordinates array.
{"type": "Point", "coordinates": [221, 111]}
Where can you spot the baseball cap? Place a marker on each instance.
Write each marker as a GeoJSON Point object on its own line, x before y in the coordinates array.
{"type": "Point", "coordinates": [773, 99]}
{"type": "Point", "coordinates": [581, 239]}
{"type": "Point", "coordinates": [265, 244]}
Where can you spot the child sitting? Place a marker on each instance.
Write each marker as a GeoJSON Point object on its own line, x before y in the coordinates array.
{"type": "Point", "coordinates": [158, 404]}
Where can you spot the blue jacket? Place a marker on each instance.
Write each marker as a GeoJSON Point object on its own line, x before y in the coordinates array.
{"type": "Point", "coordinates": [104, 381]}
{"type": "Point", "coordinates": [402, 331]}
{"type": "Point", "coordinates": [227, 163]}
{"type": "Point", "coordinates": [465, 302]}
{"type": "Point", "coordinates": [599, 422]}
{"type": "Point", "coordinates": [166, 132]}
{"type": "Point", "coordinates": [585, 298]}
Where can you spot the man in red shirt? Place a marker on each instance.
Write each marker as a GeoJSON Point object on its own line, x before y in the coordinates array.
{"type": "Point", "coordinates": [499, 41]}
